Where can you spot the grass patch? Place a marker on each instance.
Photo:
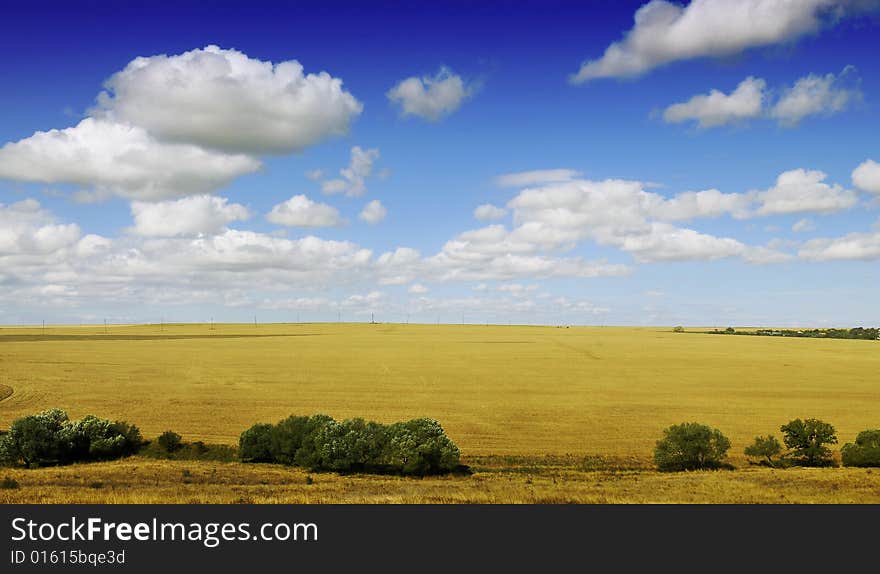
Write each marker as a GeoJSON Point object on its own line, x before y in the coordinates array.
{"type": "Point", "coordinates": [196, 450]}
{"type": "Point", "coordinates": [9, 483]}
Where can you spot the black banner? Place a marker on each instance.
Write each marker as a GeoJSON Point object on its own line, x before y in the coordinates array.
{"type": "Point", "coordinates": [396, 538]}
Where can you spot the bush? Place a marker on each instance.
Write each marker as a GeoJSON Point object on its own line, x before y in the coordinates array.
{"type": "Point", "coordinates": [691, 446]}
{"type": "Point", "coordinates": [320, 443]}
{"type": "Point", "coordinates": [92, 438]}
{"type": "Point", "coordinates": [8, 484]}
{"type": "Point", "coordinates": [865, 451]}
{"type": "Point", "coordinates": [764, 448]}
{"type": "Point", "coordinates": [352, 446]}
{"type": "Point", "coordinates": [170, 441]}
{"type": "Point", "coordinates": [806, 440]}
{"type": "Point", "coordinates": [421, 447]}
{"type": "Point", "coordinates": [192, 451]}
{"type": "Point", "coordinates": [51, 438]}
{"type": "Point", "coordinates": [678, 329]}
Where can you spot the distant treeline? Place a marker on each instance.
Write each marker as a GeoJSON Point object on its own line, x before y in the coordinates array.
{"type": "Point", "coordinates": [868, 333]}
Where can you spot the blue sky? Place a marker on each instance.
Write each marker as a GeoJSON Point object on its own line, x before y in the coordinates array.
{"type": "Point", "coordinates": [657, 164]}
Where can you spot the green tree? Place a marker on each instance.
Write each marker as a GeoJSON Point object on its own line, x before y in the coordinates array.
{"type": "Point", "coordinates": [690, 446]}
{"type": "Point", "coordinates": [765, 448]}
{"type": "Point", "coordinates": [36, 439]}
{"type": "Point", "coordinates": [864, 452]}
{"type": "Point", "coordinates": [255, 444]}
{"type": "Point", "coordinates": [806, 440]}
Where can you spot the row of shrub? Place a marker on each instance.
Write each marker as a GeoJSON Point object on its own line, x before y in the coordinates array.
{"type": "Point", "coordinates": [415, 447]}
{"type": "Point", "coordinates": [50, 438]}
{"type": "Point", "coordinates": [693, 446]}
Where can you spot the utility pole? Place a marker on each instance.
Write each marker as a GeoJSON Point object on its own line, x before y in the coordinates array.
{"type": "Point", "coordinates": [372, 318]}
{"type": "Point", "coordinates": [44, 326]}
{"type": "Point", "coordinates": [105, 326]}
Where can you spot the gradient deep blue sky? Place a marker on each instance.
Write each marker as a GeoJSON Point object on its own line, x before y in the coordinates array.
{"type": "Point", "coordinates": [524, 116]}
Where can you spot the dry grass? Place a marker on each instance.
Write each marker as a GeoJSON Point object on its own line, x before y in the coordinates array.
{"type": "Point", "coordinates": [141, 480]}
{"type": "Point", "coordinates": [498, 390]}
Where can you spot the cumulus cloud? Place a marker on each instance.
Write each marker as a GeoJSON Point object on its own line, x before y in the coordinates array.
{"type": "Point", "coordinates": [223, 99]}
{"type": "Point", "coordinates": [417, 289]}
{"type": "Point", "coordinates": [431, 98]}
{"type": "Point", "coordinates": [812, 95]}
{"type": "Point", "coordinates": [800, 190]}
{"type": "Point", "coordinates": [398, 267]}
{"type": "Point", "coordinates": [354, 177]}
{"type": "Point", "coordinates": [27, 229]}
{"type": "Point", "coordinates": [666, 32]}
{"type": "Point", "coordinates": [201, 214]}
{"type": "Point", "coordinates": [373, 212]}
{"type": "Point", "coordinates": [867, 176]}
{"type": "Point", "coordinates": [622, 214]}
{"type": "Point", "coordinates": [717, 108]}
{"type": "Point", "coordinates": [119, 159]}
{"type": "Point", "coordinates": [495, 253]}
{"type": "Point", "coordinates": [853, 246]}
{"type": "Point", "coordinates": [300, 211]}
{"type": "Point", "coordinates": [488, 212]}
{"type": "Point", "coordinates": [535, 177]}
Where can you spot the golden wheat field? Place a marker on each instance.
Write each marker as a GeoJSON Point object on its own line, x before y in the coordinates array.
{"type": "Point", "coordinates": [526, 405]}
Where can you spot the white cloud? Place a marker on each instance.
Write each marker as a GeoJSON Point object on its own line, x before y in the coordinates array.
{"type": "Point", "coordinates": [121, 160]}
{"type": "Point", "coordinates": [535, 177]}
{"type": "Point", "coordinates": [867, 176]}
{"type": "Point", "coordinates": [717, 108]}
{"type": "Point", "coordinates": [622, 214]}
{"type": "Point", "coordinates": [417, 289]}
{"type": "Point", "coordinates": [666, 32]}
{"type": "Point", "coordinates": [812, 95]}
{"type": "Point", "coordinates": [488, 212]}
{"type": "Point", "coordinates": [801, 190]}
{"type": "Point", "coordinates": [223, 99]}
{"type": "Point", "coordinates": [429, 97]}
{"type": "Point", "coordinates": [699, 204]}
{"type": "Point", "coordinates": [353, 181]}
{"type": "Point", "coordinates": [201, 214]}
{"type": "Point", "coordinates": [517, 290]}
{"type": "Point", "coordinates": [803, 225]}
{"type": "Point", "coordinates": [27, 229]}
{"type": "Point", "coordinates": [399, 266]}
{"type": "Point", "coordinates": [494, 253]}
{"type": "Point", "coordinates": [373, 212]}
{"type": "Point", "coordinates": [854, 246]}
{"type": "Point", "coordinates": [300, 211]}
{"type": "Point", "coordinates": [314, 174]}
